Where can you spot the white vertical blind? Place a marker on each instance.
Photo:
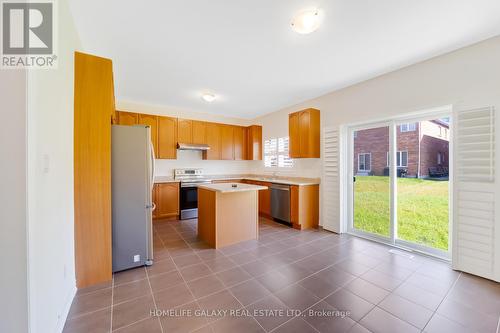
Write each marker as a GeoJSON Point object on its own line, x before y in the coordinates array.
{"type": "Point", "coordinates": [476, 247]}
{"type": "Point", "coordinates": [330, 182]}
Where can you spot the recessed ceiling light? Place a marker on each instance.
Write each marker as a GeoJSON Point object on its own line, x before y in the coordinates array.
{"type": "Point", "coordinates": [307, 21]}
{"type": "Point", "coordinates": [208, 97]}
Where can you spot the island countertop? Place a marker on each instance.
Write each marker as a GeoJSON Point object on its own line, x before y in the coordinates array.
{"type": "Point", "coordinates": [229, 187]}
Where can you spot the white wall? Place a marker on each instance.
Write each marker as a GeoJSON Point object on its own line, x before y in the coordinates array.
{"type": "Point", "coordinates": [468, 77]}
{"type": "Point", "coordinates": [191, 159]}
{"type": "Point", "coordinates": [50, 184]}
{"type": "Point", "coordinates": [13, 201]}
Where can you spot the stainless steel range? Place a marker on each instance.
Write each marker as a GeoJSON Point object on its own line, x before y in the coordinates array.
{"type": "Point", "coordinates": [190, 179]}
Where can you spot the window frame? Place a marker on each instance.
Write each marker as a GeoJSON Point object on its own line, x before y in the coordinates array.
{"type": "Point", "coordinates": [364, 162]}
{"type": "Point", "coordinates": [400, 155]}
{"type": "Point", "coordinates": [408, 127]}
{"type": "Point", "coordinates": [276, 153]}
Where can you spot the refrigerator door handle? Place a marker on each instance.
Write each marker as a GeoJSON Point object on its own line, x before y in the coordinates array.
{"type": "Point", "coordinates": [153, 166]}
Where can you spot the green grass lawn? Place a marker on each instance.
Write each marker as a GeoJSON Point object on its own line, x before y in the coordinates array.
{"type": "Point", "coordinates": [422, 209]}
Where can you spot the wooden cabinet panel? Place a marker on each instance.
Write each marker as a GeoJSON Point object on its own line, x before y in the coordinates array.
{"type": "Point", "coordinates": [254, 150]}
{"type": "Point", "coordinates": [167, 138]}
{"type": "Point", "coordinates": [227, 142]}
{"type": "Point", "coordinates": [293, 134]}
{"type": "Point", "coordinates": [199, 132]}
{"type": "Point", "coordinates": [92, 169]}
{"type": "Point", "coordinates": [126, 118]}
{"type": "Point", "coordinates": [184, 131]}
{"type": "Point", "coordinates": [294, 204]}
{"type": "Point", "coordinates": [265, 199]}
{"type": "Point", "coordinates": [152, 122]}
{"type": "Point", "coordinates": [214, 141]}
{"type": "Point", "coordinates": [239, 143]}
{"type": "Point", "coordinates": [304, 206]}
{"type": "Point", "coordinates": [304, 122]}
{"type": "Point", "coordinates": [167, 197]}
{"type": "Point", "coordinates": [304, 132]}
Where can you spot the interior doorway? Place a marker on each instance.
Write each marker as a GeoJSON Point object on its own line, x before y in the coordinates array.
{"type": "Point", "coordinates": [399, 182]}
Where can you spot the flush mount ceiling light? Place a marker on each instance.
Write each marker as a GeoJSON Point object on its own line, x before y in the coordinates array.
{"type": "Point", "coordinates": [307, 21]}
{"type": "Point", "coordinates": [208, 97]}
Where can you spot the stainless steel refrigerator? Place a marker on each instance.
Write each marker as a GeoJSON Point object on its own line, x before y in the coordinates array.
{"type": "Point", "coordinates": [132, 165]}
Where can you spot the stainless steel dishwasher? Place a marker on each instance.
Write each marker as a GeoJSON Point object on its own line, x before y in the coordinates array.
{"type": "Point", "coordinates": [280, 202]}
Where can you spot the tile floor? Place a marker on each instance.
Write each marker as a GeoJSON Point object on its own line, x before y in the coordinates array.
{"type": "Point", "coordinates": [287, 281]}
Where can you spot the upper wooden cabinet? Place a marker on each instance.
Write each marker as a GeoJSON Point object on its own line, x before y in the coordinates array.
{"type": "Point", "coordinates": [152, 122]}
{"type": "Point", "coordinates": [126, 118]}
{"type": "Point", "coordinates": [304, 133]}
{"type": "Point", "coordinates": [191, 131]}
{"type": "Point", "coordinates": [254, 142]}
{"type": "Point", "coordinates": [213, 134]}
{"type": "Point", "coordinates": [184, 130]}
{"type": "Point", "coordinates": [227, 142]}
{"type": "Point", "coordinates": [240, 142]}
{"type": "Point", "coordinates": [199, 132]}
{"type": "Point", "coordinates": [167, 138]}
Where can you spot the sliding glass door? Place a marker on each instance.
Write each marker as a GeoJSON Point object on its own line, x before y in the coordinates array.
{"type": "Point", "coordinates": [371, 189]}
{"type": "Point", "coordinates": [399, 187]}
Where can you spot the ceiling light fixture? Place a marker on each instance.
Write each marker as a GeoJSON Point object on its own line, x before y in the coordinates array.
{"type": "Point", "coordinates": [307, 21]}
{"type": "Point", "coordinates": [208, 97]}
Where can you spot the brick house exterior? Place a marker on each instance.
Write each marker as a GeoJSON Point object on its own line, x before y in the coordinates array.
{"type": "Point", "coordinates": [420, 146]}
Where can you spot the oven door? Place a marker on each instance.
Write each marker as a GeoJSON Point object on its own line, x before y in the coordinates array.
{"type": "Point", "coordinates": [188, 201]}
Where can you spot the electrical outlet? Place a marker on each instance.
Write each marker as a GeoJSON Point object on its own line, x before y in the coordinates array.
{"type": "Point", "coordinates": [137, 258]}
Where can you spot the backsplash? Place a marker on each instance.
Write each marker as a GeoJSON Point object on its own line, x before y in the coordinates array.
{"type": "Point", "coordinates": [193, 159]}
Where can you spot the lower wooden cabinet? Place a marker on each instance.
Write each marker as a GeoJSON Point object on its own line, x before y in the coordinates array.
{"type": "Point", "coordinates": [265, 200]}
{"type": "Point", "coordinates": [166, 199]}
{"type": "Point", "coordinates": [264, 197]}
{"type": "Point", "coordinates": [304, 206]}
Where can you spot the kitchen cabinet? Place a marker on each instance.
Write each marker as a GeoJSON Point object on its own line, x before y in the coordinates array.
{"type": "Point", "coordinates": [126, 118]}
{"type": "Point", "coordinates": [304, 206]}
{"type": "Point", "coordinates": [184, 130]}
{"type": "Point", "coordinates": [264, 197]}
{"type": "Point", "coordinates": [213, 135]}
{"type": "Point", "coordinates": [254, 142]}
{"type": "Point", "coordinates": [167, 200]}
{"type": "Point", "coordinates": [167, 138]}
{"type": "Point", "coordinates": [152, 122]}
{"type": "Point", "coordinates": [199, 132]}
{"type": "Point", "coordinates": [304, 133]}
{"type": "Point", "coordinates": [240, 143]}
{"type": "Point", "coordinates": [227, 142]}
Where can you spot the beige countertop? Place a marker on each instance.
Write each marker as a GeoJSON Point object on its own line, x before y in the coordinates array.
{"type": "Point", "coordinates": [228, 187]}
{"type": "Point", "coordinates": [165, 179]}
{"type": "Point", "coordinates": [262, 178]}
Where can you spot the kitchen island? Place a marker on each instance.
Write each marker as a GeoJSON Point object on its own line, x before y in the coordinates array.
{"type": "Point", "coordinates": [228, 213]}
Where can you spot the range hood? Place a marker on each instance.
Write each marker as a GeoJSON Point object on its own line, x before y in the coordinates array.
{"type": "Point", "coordinates": [192, 146]}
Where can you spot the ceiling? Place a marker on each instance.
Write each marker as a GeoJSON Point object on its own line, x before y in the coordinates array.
{"type": "Point", "coordinates": [168, 53]}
